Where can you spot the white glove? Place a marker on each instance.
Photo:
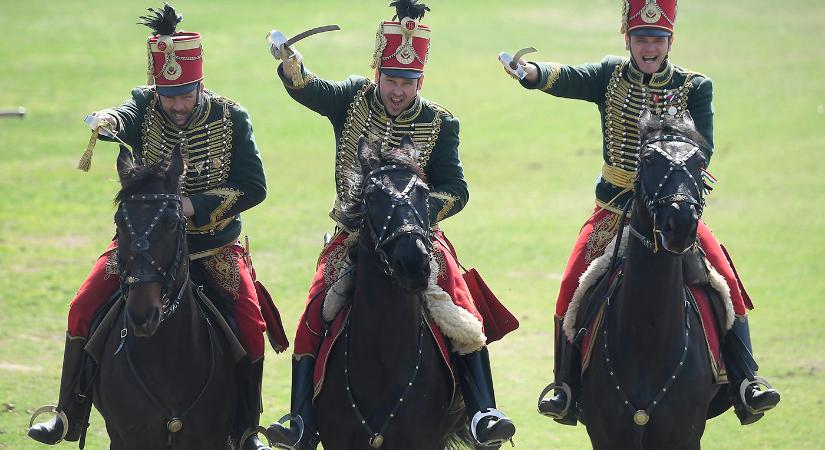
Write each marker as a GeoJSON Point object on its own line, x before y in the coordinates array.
{"type": "Point", "coordinates": [103, 120]}
{"type": "Point", "coordinates": [277, 40]}
{"type": "Point", "coordinates": [518, 73]}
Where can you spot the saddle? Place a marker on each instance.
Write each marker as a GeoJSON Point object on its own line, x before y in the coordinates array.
{"type": "Point", "coordinates": [704, 288]}
{"type": "Point", "coordinates": [107, 316]}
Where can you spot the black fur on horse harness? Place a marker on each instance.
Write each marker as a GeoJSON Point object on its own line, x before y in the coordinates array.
{"type": "Point", "coordinates": [140, 247]}
{"type": "Point", "coordinates": [653, 201]}
{"type": "Point", "coordinates": [399, 199]}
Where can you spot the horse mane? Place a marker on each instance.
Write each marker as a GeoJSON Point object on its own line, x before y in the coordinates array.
{"type": "Point", "coordinates": [137, 177]}
{"type": "Point", "coordinates": [352, 211]}
{"type": "Point", "coordinates": [672, 125]}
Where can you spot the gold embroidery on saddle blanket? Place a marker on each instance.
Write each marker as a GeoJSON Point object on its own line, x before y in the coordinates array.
{"type": "Point", "coordinates": [224, 269]}
{"type": "Point", "coordinates": [603, 232]}
{"type": "Point", "coordinates": [111, 264]}
{"type": "Point", "coordinates": [336, 262]}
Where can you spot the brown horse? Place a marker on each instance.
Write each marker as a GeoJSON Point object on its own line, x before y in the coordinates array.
{"type": "Point", "coordinates": [385, 383]}
{"type": "Point", "coordinates": [167, 379]}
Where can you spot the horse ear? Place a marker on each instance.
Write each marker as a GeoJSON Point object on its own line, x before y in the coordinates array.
{"type": "Point", "coordinates": [366, 154]}
{"type": "Point", "coordinates": [124, 164]}
{"type": "Point", "coordinates": [176, 166]}
{"type": "Point", "coordinates": [409, 147]}
{"type": "Point", "coordinates": [688, 119]}
{"type": "Point", "coordinates": [647, 120]}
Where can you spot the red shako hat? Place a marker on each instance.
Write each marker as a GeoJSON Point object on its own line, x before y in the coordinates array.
{"type": "Point", "coordinates": [401, 46]}
{"type": "Point", "coordinates": [649, 17]}
{"type": "Point", "coordinates": [175, 59]}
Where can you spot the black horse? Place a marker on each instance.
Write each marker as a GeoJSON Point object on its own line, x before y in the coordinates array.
{"type": "Point", "coordinates": [649, 383]}
{"type": "Point", "coordinates": [385, 383]}
{"type": "Point", "coordinates": [167, 378]}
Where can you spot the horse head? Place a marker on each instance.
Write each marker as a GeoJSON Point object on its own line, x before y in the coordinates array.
{"type": "Point", "coordinates": [669, 181]}
{"type": "Point", "coordinates": [395, 212]}
{"type": "Point", "coordinates": [151, 240]}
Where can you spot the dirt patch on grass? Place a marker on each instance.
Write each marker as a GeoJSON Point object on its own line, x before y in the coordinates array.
{"type": "Point", "coordinates": [20, 368]}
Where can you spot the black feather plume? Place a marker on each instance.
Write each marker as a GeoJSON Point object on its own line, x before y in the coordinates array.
{"type": "Point", "coordinates": [409, 8]}
{"type": "Point", "coordinates": [162, 22]}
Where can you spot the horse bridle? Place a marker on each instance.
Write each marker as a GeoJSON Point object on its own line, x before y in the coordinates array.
{"type": "Point", "coordinates": [653, 201]}
{"type": "Point", "coordinates": [399, 199]}
{"type": "Point", "coordinates": [140, 247]}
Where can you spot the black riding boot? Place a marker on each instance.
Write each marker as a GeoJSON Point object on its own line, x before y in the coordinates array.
{"type": "Point", "coordinates": [562, 406]}
{"type": "Point", "coordinates": [749, 402]}
{"type": "Point", "coordinates": [249, 405]}
{"type": "Point", "coordinates": [489, 426]}
{"type": "Point", "coordinates": [301, 433]}
{"type": "Point", "coordinates": [73, 405]}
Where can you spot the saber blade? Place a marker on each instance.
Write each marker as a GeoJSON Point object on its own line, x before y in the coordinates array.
{"type": "Point", "coordinates": [519, 54]}
{"type": "Point", "coordinates": [309, 33]}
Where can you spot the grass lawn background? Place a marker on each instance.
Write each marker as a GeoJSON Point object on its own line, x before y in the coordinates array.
{"type": "Point", "coordinates": [529, 158]}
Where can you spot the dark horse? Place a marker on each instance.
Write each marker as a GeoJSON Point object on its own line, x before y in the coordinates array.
{"type": "Point", "coordinates": [385, 385]}
{"type": "Point", "coordinates": [649, 383]}
{"type": "Point", "coordinates": [167, 379]}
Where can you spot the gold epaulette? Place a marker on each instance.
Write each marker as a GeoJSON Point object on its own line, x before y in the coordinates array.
{"type": "Point", "coordinates": [439, 109]}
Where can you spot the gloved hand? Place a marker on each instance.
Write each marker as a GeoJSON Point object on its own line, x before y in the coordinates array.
{"type": "Point", "coordinates": [103, 120]}
{"type": "Point", "coordinates": [519, 73]}
{"type": "Point", "coordinates": [277, 42]}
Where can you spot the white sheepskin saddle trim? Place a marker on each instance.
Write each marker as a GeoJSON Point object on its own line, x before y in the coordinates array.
{"type": "Point", "coordinates": [599, 266]}
{"type": "Point", "coordinates": [463, 329]}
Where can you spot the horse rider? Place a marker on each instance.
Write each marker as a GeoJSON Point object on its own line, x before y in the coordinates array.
{"type": "Point", "coordinates": [621, 88]}
{"type": "Point", "coordinates": [224, 176]}
{"type": "Point", "coordinates": [383, 112]}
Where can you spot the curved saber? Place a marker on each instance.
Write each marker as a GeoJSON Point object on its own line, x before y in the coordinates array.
{"type": "Point", "coordinates": [309, 33]}
{"type": "Point", "coordinates": [519, 54]}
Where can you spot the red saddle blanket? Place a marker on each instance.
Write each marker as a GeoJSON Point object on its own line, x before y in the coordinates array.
{"type": "Point", "coordinates": [710, 328]}
{"type": "Point", "coordinates": [335, 332]}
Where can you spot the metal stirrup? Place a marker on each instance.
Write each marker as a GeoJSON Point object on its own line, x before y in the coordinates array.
{"type": "Point", "coordinates": [252, 432]}
{"type": "Point", "coordinates": [756, 382]}
{"type": "Point", "coordinates": [60, 415]}
{"type": "Point", "coordinates": [551, 387]}
{"type": "Point", "coordinates": [297, 420]}
{"type": "Point", "coordinates": [478, 417]}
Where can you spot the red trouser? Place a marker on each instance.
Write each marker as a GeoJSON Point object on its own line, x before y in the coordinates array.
{"type": "Point", "coordinates": [601, 227]}
{"type": "Point", "coordinates": [228, 270]}
{"type": "Point", "coordinates": [311, 325]}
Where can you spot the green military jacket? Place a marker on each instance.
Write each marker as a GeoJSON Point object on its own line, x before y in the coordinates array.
{"type": "Point", "coordinates": [620, 91]}
{"type": "Point", "coordinates": [354, 109]}
{"type": "Point", "coordinates": [224, 174]}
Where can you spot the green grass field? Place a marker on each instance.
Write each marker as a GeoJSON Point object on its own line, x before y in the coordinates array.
{"type": "Point", "coordinates": [530, 160]}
